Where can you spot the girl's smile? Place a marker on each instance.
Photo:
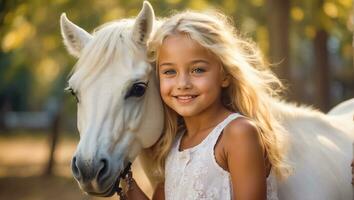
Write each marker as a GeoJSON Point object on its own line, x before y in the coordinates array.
{"type": "Point", "coordinates": [185, 98]}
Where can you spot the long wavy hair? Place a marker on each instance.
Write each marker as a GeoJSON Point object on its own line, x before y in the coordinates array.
{"type": "Point", "coordinates": [253, 86]}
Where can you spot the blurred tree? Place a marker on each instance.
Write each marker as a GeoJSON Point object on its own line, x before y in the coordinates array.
{"type": "Point", "coordinates": [10, 95]}
{"type": "Point", "coordinates": [322, 63]}
{"type": "Point", "coordinates": [320, 42]}
{"type": "Point", "coordinates": [278, 28]}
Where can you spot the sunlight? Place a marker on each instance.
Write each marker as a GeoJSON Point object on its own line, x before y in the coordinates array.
{"type": "Point", "coordinates": [21, 32]}
{"type": "Point", "coordinates": [330, 9]}
{"type": "Point", "coordinates": [346, 3]}
{"type": "Point", "coordinates": [297, 14]}
{"type": "Point", "coordinates": [198, 4]}
{"type": "Point", "coordinates": [173, 1]}
{"type": "Point", "coordinates": [47, 71]}
{"type": "Point", "coordinates": [310, 31]}
{"type": "Point", "coordinates": [257, 3]}
{"type": "Point", "coordinates": [113, 14]}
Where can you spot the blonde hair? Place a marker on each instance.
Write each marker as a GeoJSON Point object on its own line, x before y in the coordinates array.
{"type": "Point", "coordinates": [252, 84]}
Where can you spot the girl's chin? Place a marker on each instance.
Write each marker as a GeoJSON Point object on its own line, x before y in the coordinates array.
{"type": "Point", "coordinates": [186, 113]}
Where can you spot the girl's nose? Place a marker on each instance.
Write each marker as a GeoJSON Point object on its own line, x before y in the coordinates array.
{"type": "Point", "coordinates": [184, 82]}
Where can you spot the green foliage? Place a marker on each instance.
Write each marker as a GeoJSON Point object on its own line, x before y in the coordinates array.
{"type": "Point", "coordinates": [33, 58]}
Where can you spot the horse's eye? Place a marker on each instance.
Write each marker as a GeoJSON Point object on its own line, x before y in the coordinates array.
{"type": "Point", "coordinates": [72, 92]}
{"type": "Point", "coordinates": [137, 90]}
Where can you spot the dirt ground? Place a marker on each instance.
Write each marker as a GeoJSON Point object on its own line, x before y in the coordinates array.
{"type": "Point", "coordinates": [22, 162]}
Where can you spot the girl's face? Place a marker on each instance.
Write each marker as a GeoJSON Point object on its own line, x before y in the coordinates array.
{"type": "Point", "coordinates": [190, 76]}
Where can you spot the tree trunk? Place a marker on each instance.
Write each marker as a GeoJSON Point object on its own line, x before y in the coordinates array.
{"type": "Point", "coordinates": [321, 70]}
{"type": "Point", "coordinates": [278, 29]}
{"type": "Point", "coordinates": [53, 139]}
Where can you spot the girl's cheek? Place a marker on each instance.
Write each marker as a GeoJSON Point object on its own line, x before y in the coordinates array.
{"type": "Point", "coordinates": [165, 86]}
{"type": "Point", "coordinates": [165, 90]}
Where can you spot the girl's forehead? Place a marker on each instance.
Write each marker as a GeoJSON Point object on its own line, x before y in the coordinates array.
{"type": "Point", "coordinates": [182, 44]}
{"type": "Point", "coordinates": [178, 38]}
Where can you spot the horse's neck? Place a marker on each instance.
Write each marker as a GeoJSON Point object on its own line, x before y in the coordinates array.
{"type": "Point", "coordinates": [285, 111]}
{"type": "Point", "coordinates": [294, 118]}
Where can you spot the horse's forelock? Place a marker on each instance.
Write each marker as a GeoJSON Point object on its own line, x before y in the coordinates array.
{"type": "Point", "coordinates": [111, 42]}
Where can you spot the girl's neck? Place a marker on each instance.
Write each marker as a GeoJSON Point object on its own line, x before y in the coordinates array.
{"type": "Point", "coordinates": [205, 120]}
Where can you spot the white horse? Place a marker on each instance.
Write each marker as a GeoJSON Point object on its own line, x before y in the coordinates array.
{"type": "Point", "coordinates": [119, 107]}
{"type": "Point", "coordinates": [120, 115]}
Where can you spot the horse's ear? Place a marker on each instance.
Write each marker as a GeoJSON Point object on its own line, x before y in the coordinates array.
{"type": "Point", "coordinates": [75, 38]}
{"type": "Point", "coordinates": [144, 24]}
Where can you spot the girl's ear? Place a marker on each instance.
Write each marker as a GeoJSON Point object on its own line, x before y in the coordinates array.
{"type": "Point", "coordinates": [225, 81]}
{"type": "Point", "coordinates": [225, 77]}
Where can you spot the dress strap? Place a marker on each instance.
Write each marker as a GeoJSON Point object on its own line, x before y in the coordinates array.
{"type": "Point", "coordinates": [213, 135]}
{"type": "Point", "coordinates": [217, 132]}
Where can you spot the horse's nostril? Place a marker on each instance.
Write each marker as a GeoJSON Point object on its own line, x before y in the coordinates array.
{"type": "Point", "coordinates": [85, 171]}
{"type": "Point", "coordinates": [74, 168]}
{"type": "Point", "coordinates": [104, 168]}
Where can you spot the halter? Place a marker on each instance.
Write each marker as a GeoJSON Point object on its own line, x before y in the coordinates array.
{"type": "Point", "coordinates": [126, 173]}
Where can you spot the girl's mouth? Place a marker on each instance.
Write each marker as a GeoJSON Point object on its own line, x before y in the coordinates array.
{"type": "Point", "coordinates": [185, 98]}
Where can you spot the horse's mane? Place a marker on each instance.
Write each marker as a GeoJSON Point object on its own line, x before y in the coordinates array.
{"type": "Point", "coordinates": [294, 110]}
{"type": "Point", "coordinates": [110, 41]}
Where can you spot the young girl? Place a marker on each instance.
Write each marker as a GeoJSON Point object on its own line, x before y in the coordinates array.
{"type": "Point", "coordinates": [221, 140]}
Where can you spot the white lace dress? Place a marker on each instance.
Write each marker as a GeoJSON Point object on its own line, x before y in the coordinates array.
{"type": "Point", "coordinates": [194, 173]}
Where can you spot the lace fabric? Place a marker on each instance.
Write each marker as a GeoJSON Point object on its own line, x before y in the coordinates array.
{"type": "Point", "coordinates": [194, 173]}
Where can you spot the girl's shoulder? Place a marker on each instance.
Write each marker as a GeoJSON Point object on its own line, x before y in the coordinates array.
{"type": "Point", "coordinates": [241, 133]}
{"type": "Point", "coordinates": [241, 127]}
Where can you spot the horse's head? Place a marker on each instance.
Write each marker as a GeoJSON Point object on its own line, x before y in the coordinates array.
{"type": "Point", "coordinates": [119, 106]}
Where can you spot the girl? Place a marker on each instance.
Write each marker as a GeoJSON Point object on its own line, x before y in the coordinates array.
{"type": "Point", "coordinates": [221, 140]}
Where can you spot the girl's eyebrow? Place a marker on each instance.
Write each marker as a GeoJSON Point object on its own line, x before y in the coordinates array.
{"type": "Point", "coordinates": [166, 64]}
{"type": "Point", "coordinates": [199, 61]}
{"type": "Point", "coordinates": [191, 62]}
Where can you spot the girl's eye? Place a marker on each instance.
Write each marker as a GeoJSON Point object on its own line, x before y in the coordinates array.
{"type": "Point", "coordinates": [198, 70]}
{"type": "Point", "coordinates": [169, 72]}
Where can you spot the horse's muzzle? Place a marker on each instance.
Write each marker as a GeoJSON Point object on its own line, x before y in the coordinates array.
{"type": "Point", "coordinates": [94, 176]}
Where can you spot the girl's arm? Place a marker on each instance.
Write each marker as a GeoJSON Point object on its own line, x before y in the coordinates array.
{"type": "Point", "coordinates": [159, 193]}
{"type": "Point", "coordinates": [135, 192]}
{"type": "Point", "coordinates": [245, 160]}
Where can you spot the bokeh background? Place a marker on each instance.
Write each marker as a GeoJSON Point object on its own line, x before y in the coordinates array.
{"type": "Point", "coordinates": [308, 41]}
